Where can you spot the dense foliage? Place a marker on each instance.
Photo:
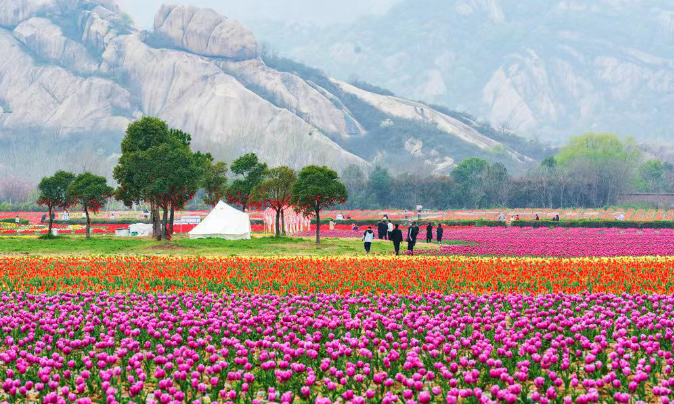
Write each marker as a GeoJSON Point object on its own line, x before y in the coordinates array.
{"type": "Point", "coordinates": [90, 192]}
{"type": "Point", "coordinates": [317, 188]}
{"type": "Point", "coordinates": [591, 171]}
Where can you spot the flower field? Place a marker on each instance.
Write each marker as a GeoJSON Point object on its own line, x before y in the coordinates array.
{"type": "Point", "coordinates": [638, 215]}
{"type": "Point", "coordinates": [294, 275]}
{"type": "Point", "coordinates": [336, 330]}
{"type": "Point", "coordinates": [557, 242]}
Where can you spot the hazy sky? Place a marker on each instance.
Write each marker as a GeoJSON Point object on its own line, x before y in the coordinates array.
{"type": "Point", "coordinates": [316, 11]}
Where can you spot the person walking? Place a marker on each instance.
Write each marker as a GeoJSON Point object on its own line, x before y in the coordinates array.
{"type": "Point", "coordinates": [390, 229]}
{"type": "Point", "coordinates": [412, 233]}
{"type": "Point", "coordinates": [429, 233]}
{"type": "Point", "coordinates": [440, 231]}
{"type": "Point", "coordinates": [331, 225]}
{"type": "Point", "coordinates": [382, 229]}
{"type": "Point", "coordinates": [368, 238]}
{"type": "Point", "coordinates": [396, 237]}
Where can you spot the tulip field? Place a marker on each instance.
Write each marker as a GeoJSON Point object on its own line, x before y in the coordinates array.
{"type": "Point", "coordinates": [556, 242]}
{"type": "Point", "coordinates": [454, 329]}
{"type": "Point", "coordinates": [492, 315]}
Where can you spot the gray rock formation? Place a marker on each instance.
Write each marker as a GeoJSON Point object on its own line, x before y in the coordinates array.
{"type": "Point", "coordinates": [47, 41]}
{"type": "Point", "coordinates": [204, 32]}
{"type": "Point", "coordinates": [78, 71]}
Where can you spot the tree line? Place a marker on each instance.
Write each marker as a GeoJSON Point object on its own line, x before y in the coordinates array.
{"type": "Point", "coordinates": [591, 171]}
{"type": "Point", "coordinates": [158, 168]}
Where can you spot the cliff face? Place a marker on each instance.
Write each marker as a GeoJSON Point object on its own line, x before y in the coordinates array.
{"type": "Point", "coordinates": [550, 68]}
{"type": "Point", "coordinates": [78, 69]}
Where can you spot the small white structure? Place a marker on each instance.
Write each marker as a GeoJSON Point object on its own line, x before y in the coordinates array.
{"type": "Point", "coordinates": [190, 220]}
{"type": "Point", "coordinates": [140, 229]}
{"type": "Point", "coordinates": [225, 222]}
{"type": "Point", "coordinates": [122, 233]}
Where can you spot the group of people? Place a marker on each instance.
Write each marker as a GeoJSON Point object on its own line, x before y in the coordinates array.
{"type": "Point", "coordinates": [386, 230]}
{"type": "Point", "coordinates": [515, 218]}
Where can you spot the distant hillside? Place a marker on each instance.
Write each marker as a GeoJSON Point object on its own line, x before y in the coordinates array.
{"type": "Point", "coordinates": [74, 73]}
{"type": "Point", "coordinates": [548, 68]}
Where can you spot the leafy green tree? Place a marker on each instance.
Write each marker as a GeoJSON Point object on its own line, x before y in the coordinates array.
{"type": "Point", "coordinates": [601, 165]}
{"type": "Point", "coordinates": [250, 172]}
{"type": "Point", "coordinates": [186, 185]}
{"type": "Point", "coordinates": [214, 183]}
{"type": "Point", "coordinates": [470, 175]}
{"type": "Point", "coordinates": [380, 185]}
{"type": "Point", "coordinates": [158, 166]}
{"type": "Point", "coordinates": [133, 166]}
{"type": "Point", "coordinates": [549, 162]}
{"type": "Point", "coordinates": [54, 193]}
{"type": "Point", "coordinates": [276, 191]}
{"type": "Point", "coordinates": [360, 195]}
{"type": "Point", "coordinates": [172, 178]}
{"type": "Point", "coordinates": [653, 176]}
{"type": "Point", "coordinates": [317, 188]}
{"type": "Point", "coordinates": [497, 184]}
{"type": "Point", "coordinates": [90, 192]}
{"type": "Point", "coordinates": [145, 133]}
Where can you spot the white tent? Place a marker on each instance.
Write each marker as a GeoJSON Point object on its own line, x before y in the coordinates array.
{"type": "Point", "coordinates": [223, 222]}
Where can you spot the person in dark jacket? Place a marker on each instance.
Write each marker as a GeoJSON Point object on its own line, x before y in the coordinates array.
{"type": "Point", "coordinates": [440, 231]}
{"type": "Point", "coordinates": [412, 234]}
{"type": "Point", "coordinates": [397, 238]}
{"type": "Point", "coordinates": [429, 233]}
{"type": "Point", "coordinates": [382, 229]}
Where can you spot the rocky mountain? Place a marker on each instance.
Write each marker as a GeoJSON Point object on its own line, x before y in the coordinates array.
{"type": "Point", "coordinates": [546, 68]}
{"type": "Point", "coordinates": [74, 73]}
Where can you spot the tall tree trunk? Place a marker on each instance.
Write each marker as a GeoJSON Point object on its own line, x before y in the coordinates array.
{"type": "Point", "coordinates": [283, 222]}
{"type": "Point", "coordinates": [164, 222]}
{"type": "Point", "coordinates": [171, 219]}
{"type": "Point", "coordinates": [278, 223]}
{"type": "Point", "coordinates": [318, 226]}
{"type": "Point", "coordinates": [86, 212]}
{"type": "Point", "coordinates": [156, 225]}
{"type": "Point", "coordinates": [51, 220]}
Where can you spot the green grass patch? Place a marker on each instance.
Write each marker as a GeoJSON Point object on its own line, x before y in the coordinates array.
{"type": "Point", "coordinates": [183, 246]}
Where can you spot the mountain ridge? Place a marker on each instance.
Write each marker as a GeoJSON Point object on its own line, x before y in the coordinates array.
{"type": "Point", "coordinates": [79, 71]}
{"type": "Point", "coordinates": [549, 69]}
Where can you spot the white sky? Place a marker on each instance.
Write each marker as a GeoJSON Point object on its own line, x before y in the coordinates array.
{"type": "Point", "coordinates": [315, 11]}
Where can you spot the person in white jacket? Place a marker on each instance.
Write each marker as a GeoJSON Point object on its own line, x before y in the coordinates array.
{"type": "Point", "coordinates": [368, 238]}
{"type": "Point", "coordinates": [390, 229]}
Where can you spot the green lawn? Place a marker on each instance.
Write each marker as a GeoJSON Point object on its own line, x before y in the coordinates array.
{"type": "Point", "coordinates": [181, 245]}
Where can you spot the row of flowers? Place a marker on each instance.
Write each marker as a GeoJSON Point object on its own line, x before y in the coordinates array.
{"type": "Point", "coordinates": [339, 275]}
{"type": "Point", "coordinates": [524, 213]}
{"type": "Point", "coordinates": [557, 242]}
{"type": "Point", "coordinates": [323, 348]}
{"type": "Point", "coordinates": [336, 330]}
{"type": "Point", "coordinates": [461, 214]}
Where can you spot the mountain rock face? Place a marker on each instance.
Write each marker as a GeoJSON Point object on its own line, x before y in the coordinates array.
{"type": "Point", "coordinates": [77, 72]}
{"type": "Point", "coordinates": [205, 32]}
{"type": "Point", "coordinates": [550, 68]}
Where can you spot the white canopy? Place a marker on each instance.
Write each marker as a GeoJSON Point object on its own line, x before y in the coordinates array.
{"type": "Point", "coordinates": [141, 229]}
{"type": "Point", "coordinates": [223, 222]}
